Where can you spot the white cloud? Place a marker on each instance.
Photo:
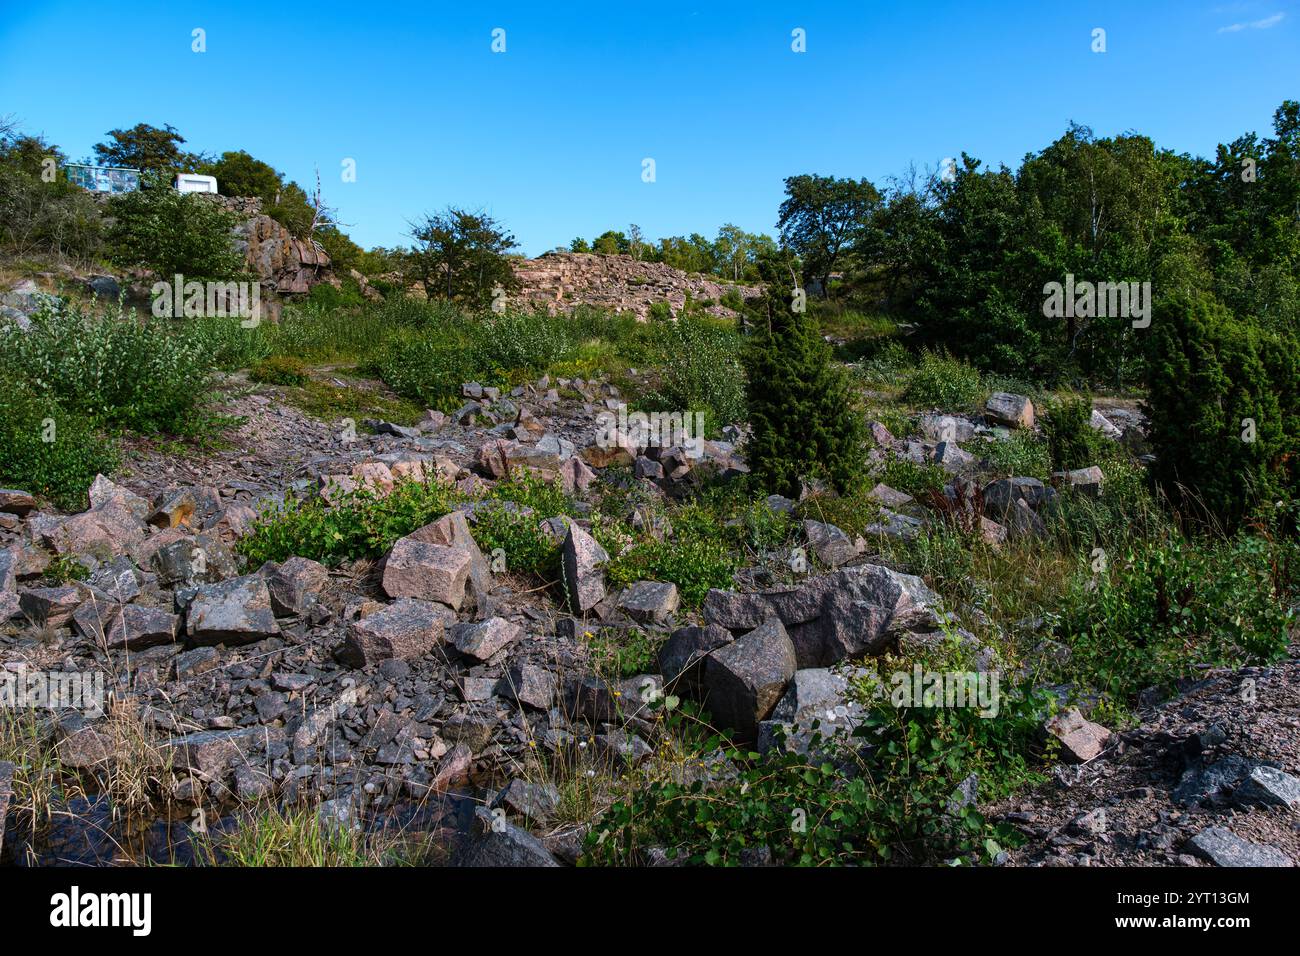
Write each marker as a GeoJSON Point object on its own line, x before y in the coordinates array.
{"type": "Point", "coordinates": [1263, 24]}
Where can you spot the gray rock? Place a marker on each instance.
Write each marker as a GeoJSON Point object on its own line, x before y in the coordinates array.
{"type": "Point", "coordinates": [407, 628]}
{"type": "Point", "coordinates": [815, 703]}
{"type": "Point", "coordinates": [1082, 481]}
{"type": "Point", "coordinates": [1222, 847]}
{"type": "Point", "coordinates": [1269, 787]}
{"type": "Point", "coordinates": [429, 572]}
{"type": "Point", "coordinates": [831, 545]}
{"type": "Point", "coordinates": [483, 639]}
{"type": "Point", "coordinates": [682, 655]}
{"type": "Point", "coordinates": [231, 612]}
{"type": "Point", "coordinates": [296, 585]}
{"type": "Point", "coordinates": [650, 601]}
{"type": "Point", "coordinates": [537, 802]}
{"type": "Point", "coordinates": [531, 685]}
{"type": "Point", "coordinates": [1013, 411]}
{"type": "Point", "coordinates": [584, 577]}
{"type": "Point", "coordinates": [1001, 496]}
{"type": "Point", "coordinates": [744, 680]}
{"type": "Point", "coordinates": [850, 613]}
{"type": "Point", "coordinates": [494, 841]}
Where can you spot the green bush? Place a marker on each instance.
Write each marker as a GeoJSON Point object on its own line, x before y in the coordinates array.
{"type": "Point", "coordinates": [1224, 404]}
{"type": "Point", "coordinates": [1020, 454]}
{"type": "Point", "coordinates": [943, 382]}
{"type": "Point", "coordinates": [526, 549]}
{"type": "Point", "coordinates": [119, 370]}
{"type": "Point", "coordinates": [1160, 611]}
{"type": "Point", "coordinates": [61, 468]}
{"type": "Point", "coordinates": [896, 801]}
{"type": "Point", "coordinates": [1071, 439]}
{"type": "Point", "coordinates": [172, 233]}
{"type": "Point", "coordinates": [280, 370]}
{"type": "Point", "coordinates": [701, 372]}
{"type": "Point", "coordinates": [361, 524]}
{"type": "Point", "coordinates": [801, 406]}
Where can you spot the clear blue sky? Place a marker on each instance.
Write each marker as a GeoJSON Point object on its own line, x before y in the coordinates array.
{"type": "Point", "coordinates": [550, 135]}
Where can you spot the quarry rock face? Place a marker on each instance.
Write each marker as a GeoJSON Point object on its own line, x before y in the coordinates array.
{"type": "Point", "coordinates": [560, 280]}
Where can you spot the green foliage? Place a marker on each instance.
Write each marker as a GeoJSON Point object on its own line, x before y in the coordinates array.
{"type": "Point", "coordinates": [172, 233]}
{"type": "Point", "coordinates": [695, 564]}
{"type": "Point", "coordinates": [943, 382]}
{"type": "Point", "coordinates": [908, 476]}
{"type": "Point", "coordinates": [1071, 439]}
{"type": "Point", "coordinates": [113, 368]}
{"type": "Point", "coordinates": [1224, 403]}
{"type": "Point", "coordinates": [701, 372]}
{"type": "Point", "coordinates": [461, 256]}
{"type": "Point", "coordinates": [1163, 609]}
{"type": "Point", "coordinates": [361, 524]}
{"type": "Point", "coordinates": [896, 801]}
{"type": "Point", "coordinates": [61, 469]}
{"type": "Point", "coordinates": [802, 407]}
{"type": "Point", "coordinates": [147, 148]}
{"type": "Point", "coordinates": [1019, 454]}
{"type": "Point", "coordinates": [525, 548]}
{"type": "Point", "coordinates": [618, 653]}
{"type": "Point", "coordinates": [280, 370]}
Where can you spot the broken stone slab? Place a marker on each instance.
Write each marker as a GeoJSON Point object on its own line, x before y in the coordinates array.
{"type": "Point", "coordinates": [829, 544]}
{"type": "Point", "coordinates": [531, 685]}
{"type": "Point", "coordinates": [1104, 425]}
{"type": "Point", "coordinates": [536, 802]}
{"type": "Point", "coordinates": [452, 530]}
{"type": "Point", "coordinates": [743, 680]}
{"type": "Point", "coordinates": [174, 510]}
{"type": "Point", "coordinates": [1081, 739]}
{"type": "Point", "coordinates": [946, 428]}
{"type": "Point", "coordinates": [1010, 410]}
{"type": "Point", "coordinates": [852, 612]}
{"type": "Point", "coordinates": [1222, 847]}
{"type": "Point", "coordinates": [104, 492]}
{"type": "Point", "coordinates": [951, 457]}
{"type": "Point", "coordinates": [429, 572]}
{"type": "Point", "coordinates": [130, 627]}
{"type": "Point", "coordinates": [584, 577]}
{"type": "Point", "coordinates": [890, 497]}
{"type": "Point", "coordinates": [484, 639]}
{"type": "Point", "coordinates": [894, 525]}
{"type": "Point", "coordinates": [231, 612]}
{"type": "Point", "coordinates": [681, 656]}
{"type": "Point", "coordinates": [295, 585]}
{"type": "Point", "coordinates": [1214, 783]}
{"type": "Point", "coordinates": [495, 841]}
{"type": "Point", "coordinates": [1269, 787]}
{"type": "Point", "coordinates": [15, 502]}
{"type": "Point", "coordinates": [650, 601]}
{"type": "Point", "coordinates": [51, 607]}
{"type": "Point", "coordinates": [406, 629]}
{"type": "Point", "coordinates": [1001, 496]}
{"type": "Point", "coordinates": [211, 753]}
{"type": "Point", "coordinates": [815, 702]}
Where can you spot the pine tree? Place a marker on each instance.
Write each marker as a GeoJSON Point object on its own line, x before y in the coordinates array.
{"type": "Point", "coordinates": [1224, 408]}
{"type": "Point", "coordinates": [801, 406]}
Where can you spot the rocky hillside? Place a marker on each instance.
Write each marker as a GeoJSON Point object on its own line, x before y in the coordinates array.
{"type": "Point", "coordinates": [560, 280]}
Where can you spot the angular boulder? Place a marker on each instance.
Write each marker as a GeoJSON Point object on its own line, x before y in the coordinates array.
{"type": "Point", "coordinates": [584, 577]}
{"type": "Point", "coordinates": [743, 680]}
{"type": "Point", "coordinates": [405, 629]}
{"type": "Point", "coordinates": [429, 572]}
{"type": "Point", "coordinates": [231, 612]}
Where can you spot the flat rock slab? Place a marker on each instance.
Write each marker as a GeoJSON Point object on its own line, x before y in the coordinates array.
{"type": "Point", "coordinates": [430, 572]}
{"type": "Point", "coordinates": [650, 602]}
{"type": "Point", "coordinates": [231, 612]}
{"type": "Point", "coordinates": [1222, 847]}
{"type": "Point", "coordinates": [405, 629]}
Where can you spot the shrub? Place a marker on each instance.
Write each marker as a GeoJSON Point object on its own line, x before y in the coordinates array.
{"type": "Point", "coordinates": [1020, 454]}
{"type": "Point", "coordinates": [897, 800]}
{"type": "Point", "coordinates": [171, 233]}
{"type": "Point", "coordinates": [802, 409]}
{"type": "Point", "coordinates": [1071, 440]}
{"type": "Point", "coordinates": [1161, 610]}
{"type": "Point", "coordinates": [60, 469]}
{"type": "Point", "coordinates": [941, 381]}
{"type": "Point", "coordinates": [1224, 403]}
{"type": "Point", "coordinates": [701, 372]}
{"type": "Point", "coordinates": [118, 370]}
{"type": "Point", "coordinates": [526, 549]}
{"type": "Point", "coordinates": [362, 524]}
{"type": "Point", "coordinates": [280, 370]}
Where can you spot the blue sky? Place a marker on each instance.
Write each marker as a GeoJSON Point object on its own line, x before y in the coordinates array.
{"type": "Point", "coordinates": [550, 135]}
